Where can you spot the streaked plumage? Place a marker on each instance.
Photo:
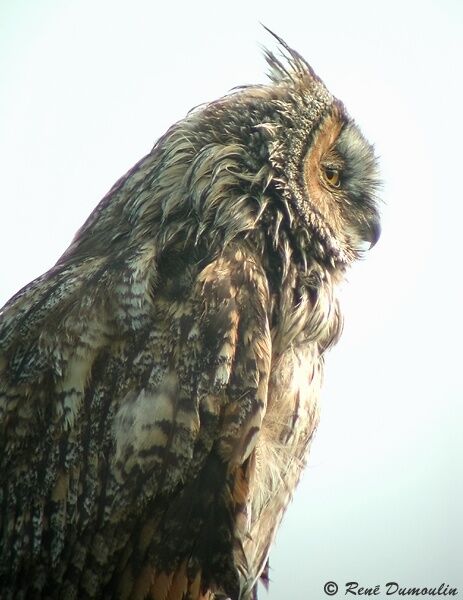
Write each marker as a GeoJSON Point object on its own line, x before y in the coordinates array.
{"type": "Point", "coordinates": [159, 385]}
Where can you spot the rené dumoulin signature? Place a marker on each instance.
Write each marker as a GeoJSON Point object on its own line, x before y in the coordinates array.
{"type": "Point", "coordinates": [392, 587]}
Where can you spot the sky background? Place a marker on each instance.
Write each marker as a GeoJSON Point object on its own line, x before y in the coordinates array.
{"type": "Point", "coordinates": [86, 88]}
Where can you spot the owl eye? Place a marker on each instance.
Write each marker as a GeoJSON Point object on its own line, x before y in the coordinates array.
{"type": "Point", "coordinates": [332, 176]}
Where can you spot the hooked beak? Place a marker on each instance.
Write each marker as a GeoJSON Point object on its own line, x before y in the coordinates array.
{"type": "Point", "coordinates": [374, 232]}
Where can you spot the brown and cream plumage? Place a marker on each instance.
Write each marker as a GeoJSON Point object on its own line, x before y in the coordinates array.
{"type": "Point", "coordinates": [159, 385]}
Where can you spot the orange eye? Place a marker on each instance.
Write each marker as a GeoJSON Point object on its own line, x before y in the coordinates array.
{"type": "Point", "coordinates": [332, 176]}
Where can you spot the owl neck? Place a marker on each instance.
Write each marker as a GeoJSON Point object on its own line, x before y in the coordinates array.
{"type": "Point", "coordinates": [302, 282]}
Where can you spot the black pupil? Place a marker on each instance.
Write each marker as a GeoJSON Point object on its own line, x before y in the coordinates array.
{"type": "Point", "coordinates": [332, 175]}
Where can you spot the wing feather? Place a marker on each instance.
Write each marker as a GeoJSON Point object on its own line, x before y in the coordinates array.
{"type": "Point", "coordinates": [127, 407]}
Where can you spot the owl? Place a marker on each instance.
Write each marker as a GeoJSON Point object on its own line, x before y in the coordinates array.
{"type": "Point", "coordinates": [159, 385]}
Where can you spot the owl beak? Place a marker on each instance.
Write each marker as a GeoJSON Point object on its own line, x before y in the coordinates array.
{"type": "Point", "coordinates": [374, 232]}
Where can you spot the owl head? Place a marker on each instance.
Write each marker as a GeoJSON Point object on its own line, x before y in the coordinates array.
{"type": "Point", "coordinates": [293, 148]}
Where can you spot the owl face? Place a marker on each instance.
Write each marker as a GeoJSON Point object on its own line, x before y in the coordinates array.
{"type": "Point", "coordinates": [340, 180]}
{"type": "Point", "coordinates": [325, 169]}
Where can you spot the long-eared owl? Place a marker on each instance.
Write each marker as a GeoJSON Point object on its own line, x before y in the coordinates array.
{"type": "Point", "coordinates": [159, 384]}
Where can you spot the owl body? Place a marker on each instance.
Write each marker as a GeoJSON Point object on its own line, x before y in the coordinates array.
{"type": "Point", "coordinates": [159, 385]}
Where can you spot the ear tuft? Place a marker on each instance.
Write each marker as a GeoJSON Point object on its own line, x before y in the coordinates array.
{"type": "Point", "coordinates": [291, 66]}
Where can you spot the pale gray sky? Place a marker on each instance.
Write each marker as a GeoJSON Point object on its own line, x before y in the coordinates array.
{"type": "Point", "coordinates": [86, 87]}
